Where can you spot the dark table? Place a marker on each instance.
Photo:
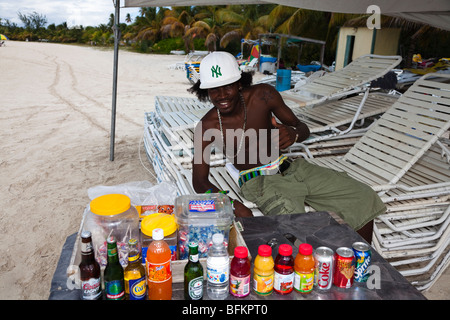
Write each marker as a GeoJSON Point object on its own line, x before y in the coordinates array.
{"type": "Point", "coordinates": [316, 228]}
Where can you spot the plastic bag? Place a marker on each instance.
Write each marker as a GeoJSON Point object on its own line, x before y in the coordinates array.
{"type": "Point", "coordinates": [139, 192]}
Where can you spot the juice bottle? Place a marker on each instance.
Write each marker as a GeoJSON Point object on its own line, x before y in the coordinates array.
{"type": "Point", "coordinates": [240, 273]}
{"type": "Point", "coordinates": [263, 272]}
{"type": "Point", "coordinates": [159, 271]}
{"type": "Point", "coordinates": [304, 269]}
{"type": "Point", "coordinates": [284, 270]}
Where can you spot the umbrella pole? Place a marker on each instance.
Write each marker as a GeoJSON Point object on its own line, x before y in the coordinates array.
{"type": "Point", "coordinates": [114, 93]}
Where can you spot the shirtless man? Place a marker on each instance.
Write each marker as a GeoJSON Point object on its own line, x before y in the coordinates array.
{"type": "Point", "coordinates": [252, 124]}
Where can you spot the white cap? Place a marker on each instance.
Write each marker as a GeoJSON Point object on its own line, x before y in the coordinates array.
{"type": "Point", "coordinates": [217, 69]}
{"type": "Point", "coordinates": [217, 238]}
{"type": "Point", "coordinates": [158, 234]}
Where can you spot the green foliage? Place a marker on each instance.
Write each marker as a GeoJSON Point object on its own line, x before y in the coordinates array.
{"type": "Point", "coordinates": [170, 44]}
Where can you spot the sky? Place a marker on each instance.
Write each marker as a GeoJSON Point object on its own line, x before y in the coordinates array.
{"type": "Point", "coordinates": [74, 12]}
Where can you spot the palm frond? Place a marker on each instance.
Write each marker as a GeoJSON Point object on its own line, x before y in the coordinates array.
{"type": "Point", "coordinates": [230, 36]}
{"type": "Point", "coordinates": [201, 24]}
{"type": "Point", "coordinates": [226, 15]}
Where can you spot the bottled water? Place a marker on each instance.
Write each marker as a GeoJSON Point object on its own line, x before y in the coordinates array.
{"type": "Point", "coordinates": [217, 269]}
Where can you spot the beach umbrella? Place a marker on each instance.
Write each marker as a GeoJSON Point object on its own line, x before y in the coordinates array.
{"type": "Point", "coordinates": [3, 37]}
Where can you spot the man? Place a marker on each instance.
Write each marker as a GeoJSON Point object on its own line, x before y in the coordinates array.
{"type": "Point", "coordinates": [252, 124]}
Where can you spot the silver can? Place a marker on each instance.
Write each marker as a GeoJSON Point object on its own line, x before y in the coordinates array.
{"type": "Point", "coordinates": [323, 273]}
{"type": "Point", "coordinates": [363, 258]}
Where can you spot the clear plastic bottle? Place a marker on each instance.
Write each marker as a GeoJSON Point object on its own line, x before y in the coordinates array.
{"type": "Point", "coordinates": [217, 269]}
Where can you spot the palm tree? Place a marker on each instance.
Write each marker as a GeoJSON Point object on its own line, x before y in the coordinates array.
{"type": "Point", "coordinates": [243, 25]}
{"type": "Point", "coordinates": [148, 24]}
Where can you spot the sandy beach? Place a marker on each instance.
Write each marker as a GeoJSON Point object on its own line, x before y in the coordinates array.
{"type": "Point", "coordinates": [55, 136]}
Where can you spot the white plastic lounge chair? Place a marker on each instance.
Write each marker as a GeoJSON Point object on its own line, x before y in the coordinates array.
{"type": "Point", "coordinates": [339, 117]}
{"type": "Point", "coordinates": [400, 137]}
{"type": "Point", "coordinates": [345, 81]}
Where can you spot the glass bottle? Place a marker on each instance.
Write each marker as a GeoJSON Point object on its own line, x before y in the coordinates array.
{"type": "Point", "coordinates": [91, 286]}
{"type": "Point", "coordinates": [114, 282]}
{"type": "Point", "coordinates": [134, 274]}
{"type": "Point", "coordinates": [193, 275]}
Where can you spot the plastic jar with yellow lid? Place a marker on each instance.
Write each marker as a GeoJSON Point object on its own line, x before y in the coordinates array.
{"type": "Point", "coordinates": [163, 221]}
{"type": "Point", "coordinates": [112, 215]}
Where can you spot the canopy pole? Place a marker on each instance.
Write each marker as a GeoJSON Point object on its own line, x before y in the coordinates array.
{"type": "Point", "coordinates": [116, 30]}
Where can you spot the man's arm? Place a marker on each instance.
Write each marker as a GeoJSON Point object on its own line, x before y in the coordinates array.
{"type": "Point", "coordinates": [291, 129]}
{"type": "Point", "coordinates": [200, 162]}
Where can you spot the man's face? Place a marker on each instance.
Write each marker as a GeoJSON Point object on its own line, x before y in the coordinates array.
{"type": "Point", "coordinates": [225, 98]}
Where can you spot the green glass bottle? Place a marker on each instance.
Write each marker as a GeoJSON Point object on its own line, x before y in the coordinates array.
{"type": "Point", "coordinates": [113, 275]}
{"type": "Point", "coordinates": [193, 275]}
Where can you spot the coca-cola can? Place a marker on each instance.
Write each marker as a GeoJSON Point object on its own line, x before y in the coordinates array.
{"type": "Point", "coordinates": [323, 273]}
{"type": "Point", "coordinates": [363, 257]}
{"type": "Point", "coordinates": [344, 268]}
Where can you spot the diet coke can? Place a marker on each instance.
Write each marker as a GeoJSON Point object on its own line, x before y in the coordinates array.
{"type": "Point", "coordinates": [323, 273]}
{"type": "Point", "coordinates": [344, 268]}
{"type": "Point", "coordinates": [363, 258]}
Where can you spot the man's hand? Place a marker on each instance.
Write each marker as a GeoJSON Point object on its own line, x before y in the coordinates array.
{"type": "Point", "coordinates": [286, 134]}
{"type": "Point", "coordinates": [240, 210]}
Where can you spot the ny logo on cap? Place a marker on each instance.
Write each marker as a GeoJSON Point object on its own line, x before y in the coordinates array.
{"type": "Point", "coordinates": [216, 71]}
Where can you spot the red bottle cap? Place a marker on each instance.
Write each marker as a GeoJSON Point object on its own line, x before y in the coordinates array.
{"type": "Point", "coordinates": [240, 252]}
{"type": "Point", "coordinates": [265, 250]}
{"type": "Point", "coordinates": [285, 250]}
{"type": "Point", "coordinates": [305, 249]}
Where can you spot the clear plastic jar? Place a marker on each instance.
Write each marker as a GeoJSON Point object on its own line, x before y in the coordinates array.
{"type": "Point", "coordinates": [112, 215]}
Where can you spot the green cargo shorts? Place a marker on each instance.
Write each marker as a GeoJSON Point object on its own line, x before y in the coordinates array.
{"type": "Point", "coordinates": [320, 188]}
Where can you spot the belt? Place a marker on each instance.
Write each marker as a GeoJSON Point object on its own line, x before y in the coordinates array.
{"type": "Point", "coordinates": [281, 167]}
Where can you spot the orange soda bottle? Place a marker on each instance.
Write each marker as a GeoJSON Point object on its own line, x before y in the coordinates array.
{"type": "Point", "coordinates": [159, 270]}
{"type": "Point", "coordinates": [304, 269]}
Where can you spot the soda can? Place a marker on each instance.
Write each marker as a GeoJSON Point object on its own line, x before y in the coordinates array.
{"type": "Point", "coordinates": [363, 257]}
{"type": "Point", "coordinates": [344, 268]}
{"type": "Point", "coordinates": [323, 273]}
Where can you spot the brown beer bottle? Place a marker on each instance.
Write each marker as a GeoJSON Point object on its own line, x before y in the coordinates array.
{"type": "Point", "coordinates": [91, 288]}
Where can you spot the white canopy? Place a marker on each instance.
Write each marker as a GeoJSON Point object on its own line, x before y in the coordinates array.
{"type": "Point", "coordinates": [432, 12]}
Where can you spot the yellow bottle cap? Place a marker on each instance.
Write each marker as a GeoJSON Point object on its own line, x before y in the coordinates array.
{"type": "Point", "coordinates": [110, 204]}
{"type": "Point", "coordinates": [158, 220]}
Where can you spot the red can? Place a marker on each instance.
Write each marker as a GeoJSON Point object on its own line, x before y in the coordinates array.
{"type": "Point", "coordinates": [344, 267]}
{"type": "Point", "coordinates": [323, 275]}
